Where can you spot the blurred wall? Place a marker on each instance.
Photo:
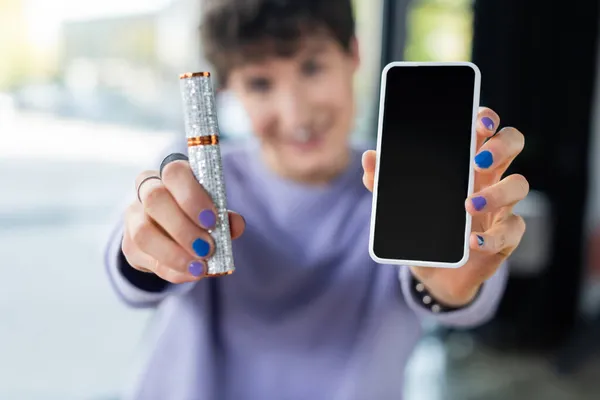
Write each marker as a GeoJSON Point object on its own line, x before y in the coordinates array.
{"type": "Point", "coordinates": [594, 202]}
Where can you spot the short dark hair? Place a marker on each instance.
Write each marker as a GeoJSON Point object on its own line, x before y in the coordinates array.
{"type": "Point", "coordinates": [237, 31]}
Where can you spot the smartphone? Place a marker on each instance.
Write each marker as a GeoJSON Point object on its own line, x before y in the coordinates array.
{"type": "Point", "coordinates": [424, 173]}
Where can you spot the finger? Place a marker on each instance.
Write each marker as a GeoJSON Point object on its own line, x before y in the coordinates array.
{"type": "Point", "coordinates": [507, 192]}
{"type": "Point", "coordinates": [369, 159]}
{"type": "Point", "coordinates": [192, 198]}
{"type": "Point", "coordinates": [498, 152]}
{"type": "Point", "coordinates": [146, 247]}
{"type": "Point", "coordinates": [487, 123]}
{"type": "Point", "coordinates": [170, 158]}
{"type": "Point", "coordinates": [176, 277]}
{"type": "Point", "coordinates": [142, 179]}
{"type": "Point", "coordinates": [502, 238]}
{"type": "Point", "coordinates": [237, 224]}
{"type": "Point", "coordinates": [134, 256]}
{"type": "Point", "coordinates": [162, 208]}
{"type": "Point", "coordinates": [146, 263]}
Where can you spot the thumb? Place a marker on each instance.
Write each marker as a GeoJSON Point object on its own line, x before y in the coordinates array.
{"type": "Point", "coordinates": [368, 163]}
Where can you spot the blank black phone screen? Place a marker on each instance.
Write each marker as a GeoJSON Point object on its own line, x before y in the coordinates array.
{"type": "Point", "coordinates": [424, 163]}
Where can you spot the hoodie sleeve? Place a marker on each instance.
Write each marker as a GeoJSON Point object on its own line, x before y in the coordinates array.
{"type": "Point", "coordinates": [481, 310]}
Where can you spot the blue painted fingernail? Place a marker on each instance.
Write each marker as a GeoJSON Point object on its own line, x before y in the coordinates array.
{"type": "Point", "coordinates": [201, 247]}
{"type": "Point", "coordinates": [196, 268]}
{"type": "Point", "coordinates": [479, 203]}
{"type": "Point", "coordinates": [207, 219]}
{"type": "Point", "coordinates": [484, 159]}
{"type": "Point", "coordinates": [480, 241]}
{"type": "Point", "coordinates": [488, 123]}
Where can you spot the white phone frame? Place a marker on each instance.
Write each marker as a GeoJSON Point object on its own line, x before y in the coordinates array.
{"type": "Point", "coordinates": [476, 94]}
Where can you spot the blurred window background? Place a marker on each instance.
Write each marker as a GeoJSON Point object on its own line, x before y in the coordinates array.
{"type": "Point", "coordinates": [88, 97]}
{"type": "Point", "coordinates": [439, 30]}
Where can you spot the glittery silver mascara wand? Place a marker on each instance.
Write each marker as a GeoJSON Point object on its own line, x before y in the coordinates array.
{"type": "Point", "coordinates": [202, 132]}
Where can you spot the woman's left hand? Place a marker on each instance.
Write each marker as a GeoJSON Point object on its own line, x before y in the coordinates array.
{"type": "Point", "coordinates": [496, 231]}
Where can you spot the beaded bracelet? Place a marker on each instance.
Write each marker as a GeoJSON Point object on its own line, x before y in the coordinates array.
{"type": "Point", "coordinates": [421, 293]}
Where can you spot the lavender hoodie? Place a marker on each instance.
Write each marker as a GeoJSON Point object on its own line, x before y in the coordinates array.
{"type": "Point", "coordinates": [306, 316]}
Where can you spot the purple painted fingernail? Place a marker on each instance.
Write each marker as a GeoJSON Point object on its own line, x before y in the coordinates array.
{"type": "Point", "coordinates": [488, 123]}
{"type": "Point", "coordinates": [207, 219]}
{"type": "Point", "coordinates": [196, 268]}
{"type": "Point", "coordinates": [479, 203]}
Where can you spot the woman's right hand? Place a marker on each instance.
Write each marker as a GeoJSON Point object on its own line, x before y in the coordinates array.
{"type": "Point", "coordinates": [166, 230]}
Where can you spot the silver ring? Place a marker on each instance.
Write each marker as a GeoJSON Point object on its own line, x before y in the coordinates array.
{"type": "Point", "coordinates": [142, 182]}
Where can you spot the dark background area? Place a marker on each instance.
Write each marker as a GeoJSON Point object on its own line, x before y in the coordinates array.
{"type": "Point", "coordinates": [89, 94]}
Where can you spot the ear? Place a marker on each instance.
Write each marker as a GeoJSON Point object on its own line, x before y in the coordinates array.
{"type": "Point", "coordinates": [355, 53]}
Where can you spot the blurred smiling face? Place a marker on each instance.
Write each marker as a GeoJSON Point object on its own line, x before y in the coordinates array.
{"type": "Point", "coordinates": [301, 107]}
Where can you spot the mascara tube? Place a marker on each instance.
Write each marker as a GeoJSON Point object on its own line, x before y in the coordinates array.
{"type": "Point", "coordinates": [202, 133]}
